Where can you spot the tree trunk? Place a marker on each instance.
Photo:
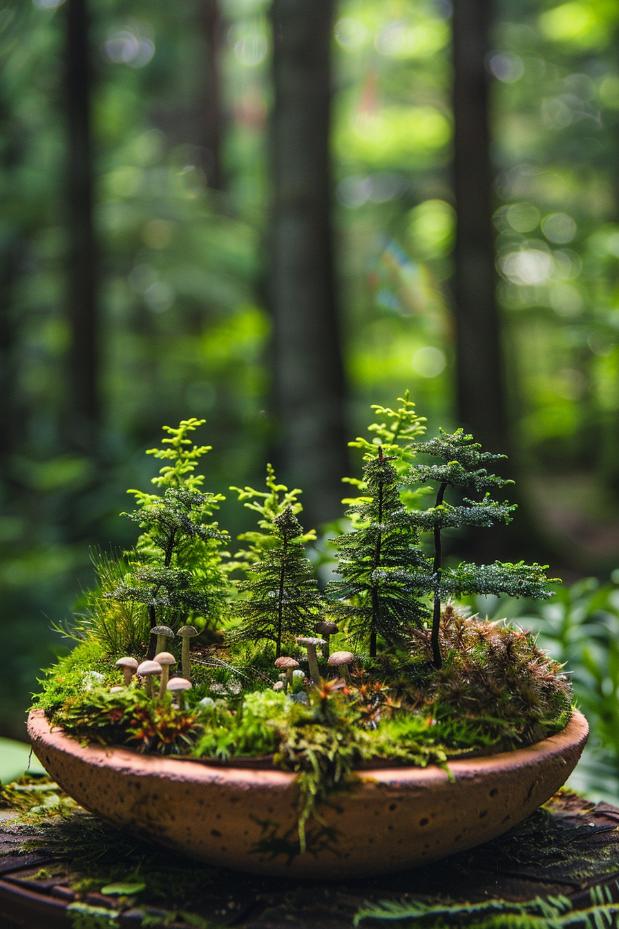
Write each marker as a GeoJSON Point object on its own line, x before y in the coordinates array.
{"type": "Point", "coordinates": [309, 383]}
{"type": "Point", "coordinates": [84, 404]}
{"type": "Point", "coordinates": [210, 106]}
{"type": "Point", "coordinates": [481, 397]}
{"type": "Point", "coordinates": [11, 417]}
{"type": "Point", "coordinates": [480, 362]}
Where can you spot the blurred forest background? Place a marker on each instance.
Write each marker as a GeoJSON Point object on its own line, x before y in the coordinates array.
{"type": "Point", "coordinates": [272, 212]}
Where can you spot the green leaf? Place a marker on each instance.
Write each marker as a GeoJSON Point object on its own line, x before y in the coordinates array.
{"type": "Point", "coordinates": [15, 760]}
{"type": "Point", "coordinates": [123, 889]}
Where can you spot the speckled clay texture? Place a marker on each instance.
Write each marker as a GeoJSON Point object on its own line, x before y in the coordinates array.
{"type": "Point", "coordinates": [246, 819]}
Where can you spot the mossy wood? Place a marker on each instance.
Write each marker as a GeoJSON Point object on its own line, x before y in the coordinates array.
{"type": "Point", "coordinates": [559, 868]}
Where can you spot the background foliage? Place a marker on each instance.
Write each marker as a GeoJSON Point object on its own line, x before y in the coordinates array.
{"type": "Point", "coordinates": [182, 319]}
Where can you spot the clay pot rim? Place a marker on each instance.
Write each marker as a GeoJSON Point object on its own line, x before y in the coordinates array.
{"type": "Point", "coordinates": [127, 761]}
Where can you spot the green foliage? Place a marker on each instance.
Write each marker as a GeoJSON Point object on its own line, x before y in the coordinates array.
{"type": "Point", "coordinates": [252, 730]}
{"type": "Point", "coordinates": [183, 456]}
{"type": "Point", "coordinates": [581, 626]}
{"type": "Point", "coordinates": [599, 910]}
{"type": "Point", "coordinates": [279, 597]}
{"type": "Point", "coordinates": [553, 912]}
{"type": "Point", "coordinates": [322, 747]}
{"type": "Point", "coordinates": [120, 627]}
{"type": "Point", "coordinates": [395, 431]}
{"type": "Point", "coordinates": [496, 681]}
{"type": "Point", "coordinates": [462, 463]}
{"type": "Point", "coordinates": [129, 717]}
{"type": "Point", "coordinates": [177, 566]}
{"type": "Point", "coordinates": [375, 595]}
{"type": "Point", "coordinates": [269, 504]}
{"type": "Point", "coordinates": [515, 580]}
{"type": "Point", "coordinates": [70, 674]}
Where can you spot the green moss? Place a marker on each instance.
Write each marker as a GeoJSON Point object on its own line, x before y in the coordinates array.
{"type": "Point", "coordinates": [129, 717]}
{"type": "Point", "coordinates": [66, 679]}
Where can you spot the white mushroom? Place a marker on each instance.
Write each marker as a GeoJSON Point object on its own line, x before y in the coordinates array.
{"type": "Point", "coordinates": [311, 643]}
{"type": "Point", "coordinates": [128, 667]}
{"type": "Point", "coordinates": [167, 661]}
{"type": "Point", "coordinates": [147, 670]}
{"type": "Point", "coordinates": [342, 661]}
{"type": "Point", "coordinates": [163, 633]}
{"type": "Point", "coordinates": [177, 686]}
{"type": "Point", "coordinates": [327, 628]}
{"type": "Point", "coordinates": [288, 665]}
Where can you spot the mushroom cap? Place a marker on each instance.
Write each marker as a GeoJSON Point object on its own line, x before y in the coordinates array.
{"type": "Point", "coordinates": [309, 640]}
{"type": "Point", "coordinates": [178, 684]}
{"type": "Point", "coordinates": [285, 663]}
{"type": "Point", "coordinates": [165, 659]}
{"type": "Point", "coordinates": [187, 631]}
{"type": "Point", "coordinates": [278, 685]}
{"type": "Point", "coordinates": [127, 663]}
{"type": "Point", "coordinates": [149, 667]}
{"type": "Point", "coordinates": [162, 630]}
{"type": "Point", "coordinates": [339, 658]}
{"type": "Point", "coordinates": [298, 674]}
{"type": "Point", "coordinates": [115, 690]}
{"type": "Point", "coordinates": [327, 627]}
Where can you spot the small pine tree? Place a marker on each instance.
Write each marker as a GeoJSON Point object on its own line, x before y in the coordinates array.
{"type": "Point", "coordinates": [374, 593]}
{"type": "Point", "coordinates": [177, 566]}
{"type": "Point", "coordinates": [395, 431]}
{"type": "Point", "coordinates": [280, 593]}
{"type": "Point", "coordinates": [268, 504]}
{"type": "Point", "coordinates": [461, 464]}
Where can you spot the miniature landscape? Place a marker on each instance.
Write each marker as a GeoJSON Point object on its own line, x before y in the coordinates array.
{"type": "Point", "coordinates": [200, 648]}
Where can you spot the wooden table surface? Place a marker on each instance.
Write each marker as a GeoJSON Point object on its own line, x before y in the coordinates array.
{"type": "Point", "coordinates": [76, 871]}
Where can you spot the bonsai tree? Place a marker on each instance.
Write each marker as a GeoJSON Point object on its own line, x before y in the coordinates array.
{"type": "Point", "coordinates": [461, 464]}
{"type": "Point", "coordinates": [281, 598]}
{"type": "Point", "coordinates": [177, 567]}
{"type": "Point", "coordinates": [378, 561]}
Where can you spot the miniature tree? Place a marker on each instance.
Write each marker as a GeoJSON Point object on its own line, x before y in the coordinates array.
{"type": "Point", "coordinates": [461, 464]}
{"type": "Point", "coordinates": [280, 593]}
{"type": "Point", "coordinates": [268, 504]}
{"type": "Point", "coordinates": [395, 431]}
{"type": "Point", "coordinates": [378, 561]}
{"type": "Point", "coordinates": [177, 567]}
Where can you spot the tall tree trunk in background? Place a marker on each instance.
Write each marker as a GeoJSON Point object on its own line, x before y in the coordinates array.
{"type": "Point", "coordinates": [210, 103]}
{"type": "Point", "coordinates": [82, 260]}
{"type": "Point", "coordinates": [480, 362]}
{"type": "Point", "coordinates": [11, 254]}
{"type": "Point", "coordinates": [307, 354]}
{"type": "Point", "coordinates": [479, 354]}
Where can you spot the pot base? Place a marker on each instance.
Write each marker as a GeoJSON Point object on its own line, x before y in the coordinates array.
{"type": "Point", "coordinates": [244, 818]}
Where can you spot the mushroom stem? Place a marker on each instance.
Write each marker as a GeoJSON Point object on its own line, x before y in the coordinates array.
{"type": "Point", "coordinates": [325, 647]}
{"type": "Point", "coordinates": [312, 661]}
{"type": "Point", "coordinates": [148, 680]}
{"type": "Point", "coordinates": [161, 643]}
{"type": "Point", "coordinates": [185, 662]}
{"type": "Point", "coordinates": [128, 675]}
{"type": "Point", "coordinates": [165, 674]}
{"type": "Point", "coordinates": [288, 681]}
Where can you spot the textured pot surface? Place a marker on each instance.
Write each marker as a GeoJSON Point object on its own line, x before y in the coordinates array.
{"type": "Point", "coordinates": [245, 818]}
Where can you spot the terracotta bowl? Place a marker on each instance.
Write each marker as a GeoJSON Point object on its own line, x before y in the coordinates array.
{"type": "Point", "coordinates": [245, 818]}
